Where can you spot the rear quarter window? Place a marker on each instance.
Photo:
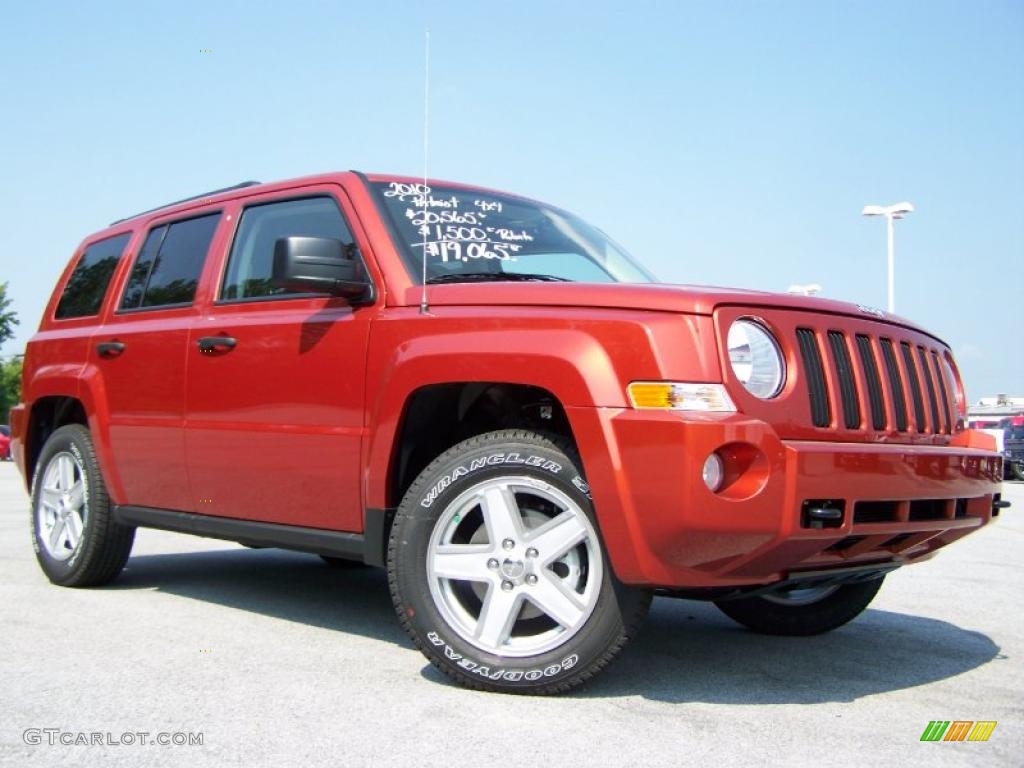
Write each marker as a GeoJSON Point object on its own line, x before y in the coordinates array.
{"type": "Point", "coordinates": [85, 289]}
{"type": "Point", "coordinates": [169, 264]}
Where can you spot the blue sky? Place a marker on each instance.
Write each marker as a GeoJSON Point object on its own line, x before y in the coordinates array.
{"type": "Point", "coordinates": [728, 143]}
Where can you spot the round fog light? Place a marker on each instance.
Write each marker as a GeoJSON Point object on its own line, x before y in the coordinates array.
{"type": "Point", "coordinates": [713, 472]}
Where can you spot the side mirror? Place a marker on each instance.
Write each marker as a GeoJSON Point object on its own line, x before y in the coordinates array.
{"type": "Point", "coordinates": [318, 265]}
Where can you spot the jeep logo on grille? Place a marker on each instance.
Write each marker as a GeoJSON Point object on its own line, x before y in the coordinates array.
{"type": "Point", "coordinates": [870, 310]}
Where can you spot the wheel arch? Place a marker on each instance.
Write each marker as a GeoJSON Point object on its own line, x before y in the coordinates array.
{"type": "Point", "coordinates": [433, 418]}
{"type": "Point", "coordinates": [47, 414]}
{"type": "Point", "coordinates": [437, 416]}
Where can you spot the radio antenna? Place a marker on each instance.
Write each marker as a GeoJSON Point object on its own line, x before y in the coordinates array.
{"type": "Point", "coordinates": [424, 309]}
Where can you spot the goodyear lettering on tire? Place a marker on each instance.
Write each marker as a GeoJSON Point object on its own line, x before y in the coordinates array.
{"type": "Point", "coordinates": [499, 673]}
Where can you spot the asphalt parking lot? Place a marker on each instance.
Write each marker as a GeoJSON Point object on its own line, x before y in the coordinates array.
{"type": "Point", "coordinates": [277, 659]}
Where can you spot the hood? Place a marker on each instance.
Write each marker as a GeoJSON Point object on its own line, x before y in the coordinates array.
{"type": "Point", "coordinates": [656, 297]}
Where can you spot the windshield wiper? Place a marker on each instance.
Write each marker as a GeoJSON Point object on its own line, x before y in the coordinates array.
{"type": "Point", "coordinates": [474, 277]}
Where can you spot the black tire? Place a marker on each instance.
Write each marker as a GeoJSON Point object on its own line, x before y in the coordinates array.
{"type": "Point", "coordinates": [342, 563]}
{"type": "Point", "coordinates": [770, 617]}
{"type": "Point", "coordinates": [616, 611]}
{"type": "Point", "coordinates": [103, 546]}
{"type": "Point", "coordinates": [1017, 470]}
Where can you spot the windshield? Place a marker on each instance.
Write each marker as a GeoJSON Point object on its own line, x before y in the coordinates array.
{"type": "Point", "coordinates": [475, 236]}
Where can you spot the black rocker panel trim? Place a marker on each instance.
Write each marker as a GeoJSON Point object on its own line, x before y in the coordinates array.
{"type": "Point", "coordinates": [315, 540]}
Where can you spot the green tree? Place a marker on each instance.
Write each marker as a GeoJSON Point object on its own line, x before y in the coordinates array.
{"type": "Point", "coordinates": [10, 387]}
{"type": "Point", "coordinates": [10, 370]}
{"type": "Point", "coordinates": [8, 317]}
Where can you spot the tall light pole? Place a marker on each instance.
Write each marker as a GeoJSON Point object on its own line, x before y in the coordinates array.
{"type": "Point", "coordinates": [891, 213]}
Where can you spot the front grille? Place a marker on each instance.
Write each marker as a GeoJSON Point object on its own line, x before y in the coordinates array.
{"type": "Point", "coordinates": [899, 403]}
{"type": "Point", "coordinates": [940, 376]}
{"type": "Point", "coordinates": [933, 403]}
{"type": "Point", "coordinates": [867, 361]}
{"type": "Point", "coordinates": [821, 413]}
{"type": "Point", "coordinates": [847, 385]}
{"type": "Point", "coordinates": [875, 511]}
{"type": "Point", "coordinates": [928, 509]}
{"type": "Point", "coordinates": [915, 385]}
{"type": "Point", "coordinates": [835, 379]}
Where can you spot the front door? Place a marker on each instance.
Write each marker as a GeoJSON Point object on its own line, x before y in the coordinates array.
{"type": "Point", "coordinates": [274, 397]}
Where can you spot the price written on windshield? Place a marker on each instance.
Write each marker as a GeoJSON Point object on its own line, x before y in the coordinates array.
{"type": "Point", "coordinates": [453, 231]}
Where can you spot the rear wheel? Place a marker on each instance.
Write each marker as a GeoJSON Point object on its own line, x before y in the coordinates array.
{"type": "Point", "coordinates": [76, 540]}
{"type": "Point", "coordinates": [803, 611]}
{"type": "Point", "coordinates": [498, 573]}
{"type": "Point", "coordinates": [1017, 470]}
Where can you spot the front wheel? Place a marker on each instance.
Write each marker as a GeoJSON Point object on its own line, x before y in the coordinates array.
{"type": "Point", "coordinates": [77, 541]}
{"type": "Point", "coordinates": [498, 573]}
{"type": "Point", "coordinates": [1017, 470]}
{"type": "Point", "coordinates": [803, 610]}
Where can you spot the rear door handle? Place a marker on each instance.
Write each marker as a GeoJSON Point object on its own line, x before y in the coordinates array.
{"type": "Point", "coordinates": [110, 348]}
{"type": "Point", "coordinates": [216, 343]}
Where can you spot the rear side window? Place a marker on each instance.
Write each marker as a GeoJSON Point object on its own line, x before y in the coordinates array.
{"type": "Point", "coordinates": [87, 285]}
{"type": "Point", "coordinates": [169, 264]}
{"type": "Point", "coordinates": [252, 255]}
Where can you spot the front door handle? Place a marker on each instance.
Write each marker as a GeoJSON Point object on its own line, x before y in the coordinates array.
{"type": "Point", "coordinates": [212, 344]}
{"type": "Point", "coordinates": [110, 348]}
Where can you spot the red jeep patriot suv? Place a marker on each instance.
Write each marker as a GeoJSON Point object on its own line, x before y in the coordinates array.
{"type": "Point", "coordinates": [486, 395]}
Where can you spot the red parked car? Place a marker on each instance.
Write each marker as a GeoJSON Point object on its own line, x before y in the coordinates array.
{"type": "Point", "coordinates": [486, 395]}
{"type": "Point", "coordinates": [5, 442]}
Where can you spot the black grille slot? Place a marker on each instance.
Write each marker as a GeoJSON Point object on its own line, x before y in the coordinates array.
{"type": "Point", "coordinates": [915, 385]}
{"type": "Point", "coordinates": [844, 544]}
{"type": "Point", "coordinates": [897, 540]}
{"type": "Point", "coordinates": [899, 402]}
{"type": "Point", "coordinates": [867, 361]}
{"type": "Point", "coordinates": [960, 509]}
{"type": "Point", "coordinates": [933, 403]}
{"type": "Point", "coordinates": [875, 511]}
{"type": "Point", "coordinates": [947, 414]}
{"type": "Point", "coordinates": [928, 509]}
{"type": "Point", "coordinates": [847, 384]}
{"type": "Point", "coordinates": [821, 413]}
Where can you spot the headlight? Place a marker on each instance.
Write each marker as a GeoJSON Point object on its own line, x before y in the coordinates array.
{"type": "Point", "coordinates": [756, 359]}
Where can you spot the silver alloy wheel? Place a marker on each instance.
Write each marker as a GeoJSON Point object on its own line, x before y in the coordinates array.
{"type": "Point", "coordinates": [60, 510]}
{"type": "Point", "coordinates": [514, 566]}
{"type": "Point", "coordinates": [801, 595]}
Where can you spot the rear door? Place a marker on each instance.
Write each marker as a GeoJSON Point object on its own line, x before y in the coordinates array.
{"type": "Point", "coordinates": [140, 359]}
{"type": "Point", "coordinates": [274, 403]}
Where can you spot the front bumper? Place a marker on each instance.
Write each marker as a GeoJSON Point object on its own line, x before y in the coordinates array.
{"type": "Point", "coordinates": [663, 527]}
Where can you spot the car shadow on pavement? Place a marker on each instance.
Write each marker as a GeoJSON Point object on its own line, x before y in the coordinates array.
{"type": "Point", "coordinates": [686, 652]}
{"type": "Point", "coordinates": [690, 652]}
{"type": "Point", "coordinates": [276, 583]}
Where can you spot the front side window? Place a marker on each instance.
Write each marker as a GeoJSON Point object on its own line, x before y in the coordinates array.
{"type": "Point", "coordinates": [471, 235]}
{"type": "Point", "coordinates": [250, 265]}
{"type": "Point", "coordinates": [84, 292]}
{"type": "Point", "coordinates": [169, 264]}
